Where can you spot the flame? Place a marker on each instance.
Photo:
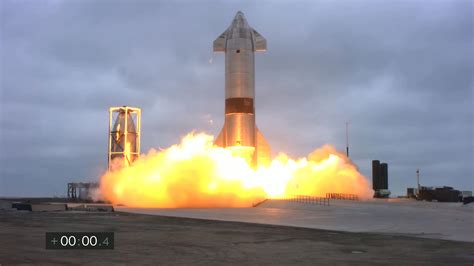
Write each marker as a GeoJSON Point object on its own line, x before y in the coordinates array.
{"type": "Point", "coordinates": [196, 173]}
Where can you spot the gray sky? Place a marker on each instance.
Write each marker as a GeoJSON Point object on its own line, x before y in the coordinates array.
{"type": "Point", "coordinates": [400, 71]}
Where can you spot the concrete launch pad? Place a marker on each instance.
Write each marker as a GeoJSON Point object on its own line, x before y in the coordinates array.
{"type": "Point", "coordinates": [451, 221]}
{"type": "Point", "coordinates": [149, 239]}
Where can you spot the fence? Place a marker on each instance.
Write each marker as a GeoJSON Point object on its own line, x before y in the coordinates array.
{"type": "Point", "coordinates": [342, 196]}
{"type": "Point", "coordinates": [306, 199]}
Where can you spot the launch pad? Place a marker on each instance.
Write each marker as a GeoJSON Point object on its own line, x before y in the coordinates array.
{"type": "Point", "coordinates": [449, 221]}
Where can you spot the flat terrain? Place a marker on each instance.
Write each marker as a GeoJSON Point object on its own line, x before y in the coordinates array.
{"type": "Point", "coordinates": [148, 239]}
{"type": "Point", "coordinates": [438, 220]}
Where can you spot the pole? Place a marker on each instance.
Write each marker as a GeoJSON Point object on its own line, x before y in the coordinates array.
{"type": "Point", "coordinates": [418, 178]}
{"type": "Point", "coordinates": [347, 139]}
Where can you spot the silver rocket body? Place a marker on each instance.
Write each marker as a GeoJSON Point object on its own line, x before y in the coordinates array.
{"type": "Point", "coordinates": [239, 43]}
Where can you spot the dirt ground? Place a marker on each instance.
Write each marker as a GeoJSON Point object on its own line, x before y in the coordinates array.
{"type": "Point", "coordinates": [146, 239]}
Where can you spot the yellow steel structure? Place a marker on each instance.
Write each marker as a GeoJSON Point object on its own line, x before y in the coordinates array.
{"type": "Point", "coordinates": [124, 136]}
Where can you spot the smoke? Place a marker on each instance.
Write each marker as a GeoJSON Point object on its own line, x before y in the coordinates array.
{"type": "Point", "coordinates": [195, 173]}
{"type": "Point", "coordinates": [96, 195]}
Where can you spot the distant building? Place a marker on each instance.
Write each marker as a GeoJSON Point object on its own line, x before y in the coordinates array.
{"type": "Point", "coordinates": [441, 194]}
{"type": "Point", "coordinates": [411, 192]}
{"type": "Point", "coordinates": [380, 179]}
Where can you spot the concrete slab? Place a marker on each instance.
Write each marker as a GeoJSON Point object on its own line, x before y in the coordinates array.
{"type": "Point", "coordinates": [90, 207]}
{"type": "Point", "coordinates": [21, 206]}
{"type": "Point", "coordinates": [5, 205]}
{"type": "Point", "coordinates": [451, 221]}
{"type": "Point", "coordinates": [48, 207]}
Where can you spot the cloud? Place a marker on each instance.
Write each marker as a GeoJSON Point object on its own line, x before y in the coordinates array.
{"type": "Point", "coordinates": [401, 72]}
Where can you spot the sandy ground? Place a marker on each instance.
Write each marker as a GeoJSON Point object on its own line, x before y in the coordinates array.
{"type": "Point", "coordinates": [149, 239]}
{"type": "Point", "coordinates": [450, 221]}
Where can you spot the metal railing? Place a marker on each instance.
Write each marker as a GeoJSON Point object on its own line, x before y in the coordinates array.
{"type": "Point", "coordinates": [342, 196]}
{"type": "Point", "coordinates": [305, 199]}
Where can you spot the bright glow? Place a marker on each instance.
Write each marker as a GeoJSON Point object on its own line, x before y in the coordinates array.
{"type": "Point", "coordinates": [195, 173]}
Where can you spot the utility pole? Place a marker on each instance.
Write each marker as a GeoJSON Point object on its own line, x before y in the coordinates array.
{"type": "Point", "coordinates": [418, 178]}
{"type": "Point", "coordinates": [347, 139]}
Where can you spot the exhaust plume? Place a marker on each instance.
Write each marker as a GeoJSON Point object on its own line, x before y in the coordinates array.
{"type": "Point", "coordinates": [196, 173]}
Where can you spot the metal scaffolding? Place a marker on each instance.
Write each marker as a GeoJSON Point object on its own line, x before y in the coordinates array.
{"type": "Point", "coordinates": [83, 188]}
{"type": "Point", "coordinates": [124, 136]}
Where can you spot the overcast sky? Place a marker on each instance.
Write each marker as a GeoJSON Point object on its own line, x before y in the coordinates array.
{"type": "Point", "coordinates": [400, 71]}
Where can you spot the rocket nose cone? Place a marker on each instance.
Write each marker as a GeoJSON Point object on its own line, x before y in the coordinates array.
{"type": "Point", "coordinates": [239, 20]}
{"type": "Point", "coordinates": [239, 14]}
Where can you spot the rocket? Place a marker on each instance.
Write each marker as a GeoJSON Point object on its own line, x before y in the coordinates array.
{"type": "Point", "coordinates": [240, 133]}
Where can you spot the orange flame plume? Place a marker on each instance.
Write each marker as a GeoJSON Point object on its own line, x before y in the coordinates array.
{"type": "Point", "coordinates": [195, 173]}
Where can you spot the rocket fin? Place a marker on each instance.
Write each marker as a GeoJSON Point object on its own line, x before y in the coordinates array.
{"type": "Point", "coordinates": [220, 138]}
{"type": "Point", "coordinates": [263, 150]}
{"type": "Point", "coordinates": [219, 43]}
{"type": "Point", "coordinates": [260, 42]}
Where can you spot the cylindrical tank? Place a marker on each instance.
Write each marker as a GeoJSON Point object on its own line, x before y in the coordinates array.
{"type": "Point", "coordinates": [375, 174]}
{"type": "Point", "coordinates": [240, 85]}
{"type": "Point", "coordinates": [384, 176]}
